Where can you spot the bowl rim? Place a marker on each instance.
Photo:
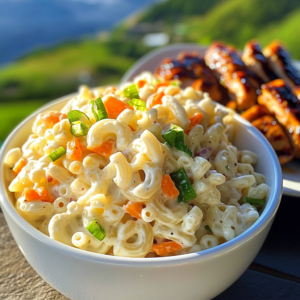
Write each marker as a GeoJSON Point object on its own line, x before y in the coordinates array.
{"type": "Point", "coordinates": [139, 64]}
{"type": "Point", "coordinates": [267, 215]}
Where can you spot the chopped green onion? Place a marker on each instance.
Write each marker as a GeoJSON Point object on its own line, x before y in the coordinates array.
{"type": "Point", "coordinates": [80, 123]}
{"type": "Point", "coordinates": [138, 104]}
{"type": "Point", "coordinates": [96, 230]}
{"type": "Point", "coordinates": [170, 137]}
{"type": "Point", "coordinates": [77, 115]}
{"type": "Point", "coordinates": [79, 129]}
{"type": "Point", "coordinates": [174, 83]}
{"type": "Point", "coordinates": [183, 185]}
{"type": "Point", "coordinates": [183, 147]}
{"type": "Point", "coordinates": [208, 229]}
{"type": "Point", "coordinates": [131, 91]}
{"type": "Point", "coordinates": [175, 137]}
{"type": "Point", "coordinates": [58, 153]}
{"type": "Point", "coordinates": [254, 201]}
{"type": "Point", "coordinates": [98, 109]}
{"type": "Point", "coordinates": [227, 167]}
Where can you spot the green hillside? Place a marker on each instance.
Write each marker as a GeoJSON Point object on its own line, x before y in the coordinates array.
{"type": "Point", "coordinates": [176, 10]}
{"type": "Point", "coordinates": [14, 113]}
{"type": "Point", "coordinates": [54, 72]}
{"type": "Point", "coordinates": [287, 30]}
{"type": "Point", "coordinates": [232, 21]}
{"type": "Point", "coordinates": [235, 23]}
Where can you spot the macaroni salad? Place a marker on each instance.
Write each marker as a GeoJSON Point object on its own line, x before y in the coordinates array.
{"type": "Point", "coordinates": [144, 170]}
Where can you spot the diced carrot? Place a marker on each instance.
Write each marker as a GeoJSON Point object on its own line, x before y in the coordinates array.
{"type": "Point", "coordinates": [106, 148]}
{"type": "Point", "coordinates": [141, 83]}
{"type": "Point", "coordinates": [114, 107]}
{"type": "Point", "coordinates": [20, 164]}
{"type": "Point", "coordinates": [44, 194]}
{"type": "Point", "coordinates": [155, 99]}
{"type": "Point", "coordinates": [165, 248]}
{"type": "Point", "coordinates": [110, 90]}
{"type": "Point", "coordinates": [37, 194]}
{"type": "Point", "coordinates": [52, 118]}
{"type": "Point", "coordinates": [159, 84]}
{"type": "Point", "coordinates": [194, 120]}
{"type": "Point", "coordinates": [169, 187]}
{"type": "Point", "coordinates": [134, 209]}
{"type": "Point", "coordinates": [74, 150]}
{"type": "Point", "coordinates": [31, 195]}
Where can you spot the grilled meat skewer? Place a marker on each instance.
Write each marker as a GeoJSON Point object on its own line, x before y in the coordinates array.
{"type": "Point", "coordinates": [257, 62]}
{"type": "Point", "coordinates": [192, 70]}
{"type": "Point", "coordinates": [279, 99]}
{"type": "Point", "coordinates": [234, 74]}
{"type": "Point", "coordinates": [280, 62]}
{"type": "Point", "coordinates": [275, 134]}
{"type": "Point", "coordinates": [297, 91]}
{"type": "Point", "coordinates": [260, 117]}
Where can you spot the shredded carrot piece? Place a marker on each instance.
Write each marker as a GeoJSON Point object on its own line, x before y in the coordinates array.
{"type": "Point", "coordinates": [159, 84]}
{"type": "Point", "coordinates": [141, 83]}
{"type": "Point", "coordinates": [155, 99]}
{"type": "Point", "coordinates": [20, 164]}
{"type": "Point", "coordinates": [134, 209]}
{"type": "Point", "coordinates": [110, 90]}
{"type": "Point", "coordinates": [114, 107]}
{"type": "Point", "coordinates": [37, 194]}
{"type": "Point", "coordinates": [106, 148]}
{"type": "Point", "coordinates": [74, 150]}
{"type": "Point", "coordinates": [194, 120]}
{"type": "Point", "coordinates": [169, 187]}
{"type": "Point", "coordinates": [165, 248]}
{"type": "Point", "coordinates": [132, 129]}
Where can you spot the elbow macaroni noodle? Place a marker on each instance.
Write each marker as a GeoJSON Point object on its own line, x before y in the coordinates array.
{"type": "Point", "coordinates": [97, 187]}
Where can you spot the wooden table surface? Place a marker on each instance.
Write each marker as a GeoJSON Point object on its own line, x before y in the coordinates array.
{"type": "Point", "coordinates": [274, 274]}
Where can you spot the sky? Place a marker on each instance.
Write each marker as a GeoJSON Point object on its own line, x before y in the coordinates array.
{"type": "Point", "coordinates": [29, 24]}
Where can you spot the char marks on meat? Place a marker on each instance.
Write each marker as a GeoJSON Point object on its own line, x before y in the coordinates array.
{"type": "Point", "coordinates": [279, 99]}
{"type": "Point", "coordinates": [191, 69]}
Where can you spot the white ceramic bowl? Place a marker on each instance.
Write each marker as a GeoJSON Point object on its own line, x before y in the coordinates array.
{"type": "Point", "coordinates": [150, 62]}
{"type": "Point", "coordinates": [84, 275]}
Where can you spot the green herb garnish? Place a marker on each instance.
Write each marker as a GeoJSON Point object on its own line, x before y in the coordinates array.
{"type": "Point", "coordinates": [208, 229]}
{"type": "Point", "coordinates": [96, 230]}
{"type": "Point", "coordinates": [98, 109]}
{"type": "Point", "coordinates": [175, 137]}
{"type": "Point", "coordinates": [254, 201]}
{"type": "Point", "coordinates": [182, 183]}
{"type": "Point", "coordinates": [58, 153]}
{"type": "Point", "coordinates": [131, 91]}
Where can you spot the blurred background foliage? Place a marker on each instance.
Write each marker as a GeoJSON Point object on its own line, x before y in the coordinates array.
{"type": "Point", "coordinates": [103, 56]}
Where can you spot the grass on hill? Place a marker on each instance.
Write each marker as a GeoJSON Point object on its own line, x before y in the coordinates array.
{"type": "Point", "coordinates": [174, 10]}
{"type": "Point", "coordinates": [287, 31]}
{"type": "Point", "coordinates": [58, 71]}
{"type": "Point", "coordinates": [236, 24]}
{"type": "Point", "coordinates": [14, 112]}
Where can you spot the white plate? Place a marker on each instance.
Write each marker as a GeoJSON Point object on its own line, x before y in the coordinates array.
{"type": "Point", "coordinates": [150, 62]}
